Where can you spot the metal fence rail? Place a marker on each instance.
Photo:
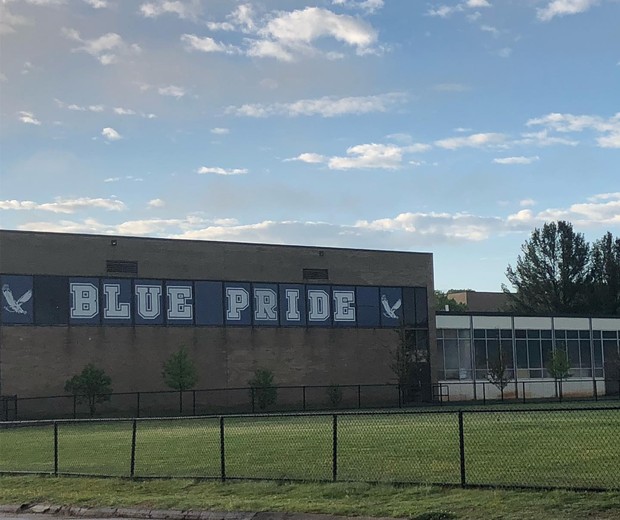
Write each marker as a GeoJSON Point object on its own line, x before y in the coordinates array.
{"type": "Point", "coordinates": [302, 399]}
{"type": "Point", "coordinates": [576, 448]}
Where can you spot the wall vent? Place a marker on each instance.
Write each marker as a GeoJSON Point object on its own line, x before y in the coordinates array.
{"type": "Point", "coordinates": [316, 274]}
{"type": "Point", "coordinates": [121, 266]}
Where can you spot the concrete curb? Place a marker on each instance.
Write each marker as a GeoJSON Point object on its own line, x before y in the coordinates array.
{"type": "Point", "coordinates": [161, 514]}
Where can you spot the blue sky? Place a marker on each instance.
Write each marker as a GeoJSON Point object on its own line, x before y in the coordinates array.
{"type": "Point", "coordinates": [449, 127]}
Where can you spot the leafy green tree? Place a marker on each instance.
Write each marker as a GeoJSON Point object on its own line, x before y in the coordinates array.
{"type": "Point", "coordinates": [605, 276]}
{"type": "Point", "coordinates": [91, 386]}
{"type": "Point", "coordinates": [443, 298]}
{"type": "Point", "coordinates": [262, 388]}
{"type": "Point", "coordinates": [498, 372]}
{"type": "Point", "coordinates": [552, 274]}
{"type": "Point", "coordinates": [179, 373]}
{"type": "Point", "coordinates": [559, 368]}
{"type": "Point", "coordinates": [408, 364]}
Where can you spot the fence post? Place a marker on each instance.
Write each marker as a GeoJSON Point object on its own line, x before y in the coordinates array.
{"type": "Point", "coordinates": [462, 448]}
{"type": "Point", "coordinates": [55, 449]}
{"type": "Point", "coordinates": [400, 399]}
{"type": "Point", "coordinates": [253, 400]}
{"type": "Point", "coordinates": [359, 396]}
{"type": "Point", "coordinates": [484, 393]}
{"type": "Point", "coordinates": [193, 402]}
{"type": "Point", "coordinates": [523, 383]}
{"type": "Point", "coordinates": [335, 448]}
{"type": "Point", "coordinates": [222, 451]}
{"type": "Point", "coordinates": [74, 405]}
{"type": "Point", "coordinates": [137, 404]}
{"type": "Point", "coordinates": [132, 467]}
{"type": "Point", "coordinates": [303, 394]}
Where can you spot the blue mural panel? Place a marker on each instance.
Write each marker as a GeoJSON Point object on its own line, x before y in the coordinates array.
{"type": "Point", "coordinates": [148, 302]}
{"type": "Point", "coordinates": [17, 300]}
{"type": "Point", "coordinates": [409, 306]}
{"type": "Point", "coordinates": [319, 302]}
{"type": "Point", "coordinates": [391, 306]}
{"type": "Point", "coordinates": [209, 306]}
{"type": "Point", "coordinates": [265, 310]}
{"type": "Point", "coordinates": [421, 307]}
{"type": "Point", "coordinates": [238, 303]}
{"type": "Point", "coordinates": [84, 303]}
{"type": "Point", "coordinates": [116, 300]}
{"type": "Point", "coordinates": [368, 303]}
{"type": "Point", "coordinates": [51, 300]}
{"type": "Point", "coordinates": [344, 312]}
{"type": "Point", "coordinates": [179, 303]}
{"type": "Point", "coordinates": [292, 305]}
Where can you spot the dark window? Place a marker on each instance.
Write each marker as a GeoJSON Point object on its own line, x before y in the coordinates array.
{"type": "Point", "coordinates": [51, 306]}
{"type": "Point", "coordinates": [315, 274]}
{"type": "Point", "coordinates": [421, 307]}
{"type": "Point", "coordinates": [121, 266]}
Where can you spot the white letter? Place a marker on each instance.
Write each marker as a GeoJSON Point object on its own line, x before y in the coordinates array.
{"type": "Point", "coordinates": [238, 300]}
{"type": "Point", "coordinates": [113, 308]}
{"type": "Point", "coordinates": [266, 301]}
{"type": "Point", "coordinates": [149, 304]}
{"type": "Point", "coordinates": [179, 307]}
{"type": "Point", "coordinates": [292, 301]}
{"type": "Point", "coordinates": [319, 305]}
{"type": "Point", "coordinates": [344, 306]}
{"type": "Point", "coordinates": [85, 300]}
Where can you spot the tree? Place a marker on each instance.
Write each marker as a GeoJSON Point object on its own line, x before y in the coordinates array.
{"type": "Point", "coordinates": [91, 386]}
{"type": "Point", "coordinates": [179, 373]}
{"type": "Point", "coordinates": [262, 388]}
{"type": "Point", "coordinates": [498, 373]}
{"type": "Point", "coordinates": [552, 274]}
{"type": "Point", "coordinates": [559, 369]}
{"type": "Point", "coordinates": [442, 299]}
{"type": "Point", "coordinates": [605, 275]}
{"type": "Point", "coordinates": [408, 363]}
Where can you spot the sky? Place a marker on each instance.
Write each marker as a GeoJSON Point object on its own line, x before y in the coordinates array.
{"type": "Point", "coordinates": [451, 127]}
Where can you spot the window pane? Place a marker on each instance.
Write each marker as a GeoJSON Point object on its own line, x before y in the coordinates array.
{"type": "Point", "coordinates": [584, 334]}
{"type": "Point", "coordinates": [506, 345]}
{"type": "Point", "coordinates": [547, 351]}
{"type": "Point", "coordinates": [545, 334]}
{"type": "Point", "coordinates": [521, 353]}
{"type": "Point", "coordinates": [533, 333]}
{"type": "Point", "coordinates": [520, 333]}
{"type": "Point", "coordinates": [505, 333]}
{"type": "Point", "coordinates": [573, 352]}
{"type": "Point", "coordinates": [598, 353]}
{"type": "Point", "coordinates": [492, 333]}
{"type": "Point", "coordinates": [481, 354]}
{"type": "Point", "coordinates": [533, 347]}
{"type": "Point", "coordinates": [493, 350]}
{"type": "Point", "coordinates": [464, 333]}
{"type": "Point", "coordinates": [465, 362]}
{"type": "Point", "coordinates": [585, 354]}
{"type": "Point", "coordinates": [479, 333]}
{"type": "Point", "coordinates": [572, 334]}
{"type": "Point", "coordinates": [449, 333]}
{"type": "Point", "coordinates": [451, 354]}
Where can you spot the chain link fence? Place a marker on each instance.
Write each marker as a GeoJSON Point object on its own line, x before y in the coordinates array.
{"type": "Point", "coordinates": [539, 448]}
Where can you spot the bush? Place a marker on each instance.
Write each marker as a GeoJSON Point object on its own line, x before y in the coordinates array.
{"type": "Point", "coordinates": [263, 391]}
{"type": "Point", "coordinates": [91, 386]}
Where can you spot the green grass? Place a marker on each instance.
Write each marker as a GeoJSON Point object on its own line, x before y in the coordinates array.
{"type": "Point", "coordinates": [343, 499]}
{"type": "Point", "coordinates": [563, 448]}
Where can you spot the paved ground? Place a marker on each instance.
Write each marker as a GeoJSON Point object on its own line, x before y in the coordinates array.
{"type": "Point", "coordinates": [43, 512]}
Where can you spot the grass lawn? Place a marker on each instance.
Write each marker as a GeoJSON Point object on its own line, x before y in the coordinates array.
{"type": "Point", "coordinates": [419, 503]}
{"type": "Point", "coordinates": [520, 447]}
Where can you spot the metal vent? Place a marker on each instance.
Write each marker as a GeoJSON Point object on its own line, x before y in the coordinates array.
{"type": "Point", "coordinates": [316, 274]}
{"type": "Point", "coordinates": [121, 266]}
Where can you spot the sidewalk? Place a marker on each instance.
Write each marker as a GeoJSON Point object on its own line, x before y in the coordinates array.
{"type": "Point", "coordinates": [36, 512]}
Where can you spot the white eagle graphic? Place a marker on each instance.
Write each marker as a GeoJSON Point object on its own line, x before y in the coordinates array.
{"type": "Point", "coordinates": [13, 304]}
{"type": "Point", "coordinates": [388, 311]}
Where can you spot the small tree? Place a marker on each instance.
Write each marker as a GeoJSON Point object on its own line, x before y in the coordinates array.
{"type": "Point", "coordinates": [262, 389]}
{"type": "Point", "coordinates": [407, 363]}
{"type": "Point", "coordinates": [91, 386]}
{"type": "Point", "coordinates": [559, 369]}
{"type": "Point", "coordinates": [498, 373]}
{"type": "Point", "coordinates": [179, 373]}
{"type": "Point", "coordinates": [334, 394]}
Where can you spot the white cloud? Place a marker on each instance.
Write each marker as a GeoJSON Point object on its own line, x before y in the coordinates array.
{"type": "Point", "coordinates": [28, 118]}
{"type": "Point", "coordinates": [527, 202]}
{"type": "Point", "coordinates": [106, 48]}
{"type": "Point", "coordinates": [326, 106]}
{"type": "Point", "coordinates": [124, 111]}
{"type": "Point", "coordinates": [443, 11]}
{"type": "Point", "coordinates": [516, 160]}
{"type": "Point", "coordinates": [371, 155]}
{"type": "Point", "coordinates": [172, 91]}
{"type": "Point", "coordinates": [368, 6]}
{"type": "Point", "coordinates": [61, 205]}
{"type": "Point", "coordinates": [471, 141]}
{"type": "Point", "coordinates": [564, 7]}
{"type": "Point", "coordinates": [609, 129]}
{"type": "Point", "coordinates": [110, 134]}
{"type": "Point", "coordinates": [543, 138]}
{"type": "Point", "coordinates": [310, 158]}
{"type": "Point", "coordinates": [221, 171]}
{"type": "Point", "coordinates": [156, 203]}
{"type": "Point", "coordinates": [97, 4]}
{"type": "Point", "coordinates": [9, 22]}
{"type": "Point", "coordinates": [220, 131]}
{"type": "Point", "coordinates": [193, 42]}
{"type": "Point", "coordinates": [183, 9]}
